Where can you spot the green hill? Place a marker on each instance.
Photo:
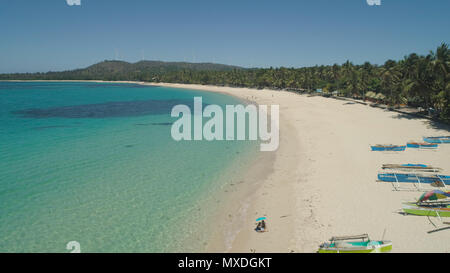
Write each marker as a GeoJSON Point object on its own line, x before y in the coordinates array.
{"type": "Point", "coordinates": [120, 70]}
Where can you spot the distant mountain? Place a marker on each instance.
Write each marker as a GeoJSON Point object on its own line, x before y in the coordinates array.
{"type": "Point", "coordinates": [155, 66]}
{"type": "Point", "coordinates": [121, 70]}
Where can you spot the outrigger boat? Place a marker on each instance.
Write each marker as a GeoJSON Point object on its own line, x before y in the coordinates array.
{"type": "Point", "coordinates": [416, 179]}
{"type": "Point", "coordinates": [388, 147]}
{"type": "Point", "coordinates": [411, 167]}
{"type": "Point", "coordinates": [429, 205]}
{"type": "Point", "coordinates": [355, 244]}
{"type": "Point", "coordinates": [440, 139]}
{"type": "Point", "coordinates": [419, 145]}
{"type": "Point", "coordinates": [435, 209]}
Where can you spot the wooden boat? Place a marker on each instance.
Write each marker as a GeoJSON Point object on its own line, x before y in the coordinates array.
{"type": "Point", "coordinates": [439, 139]}
{"type": "Point", "coordinates": [355, 244]}
{"type": "Point", "coordinates": [415, 178]}
{"type": "Point", "coordinates": [425, 145]}
{"type": "Point", "coordinates": [429, 205]}
{"type": "Point", "coordinates": [388, 147]}
{"type": "Point", "coordinates": [411, 167]}
{"type": "Point", "coordinates": [435, 209]}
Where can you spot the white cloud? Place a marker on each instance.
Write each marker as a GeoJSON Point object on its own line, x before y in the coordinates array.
{"type": "Point", "coordinates": [73, 2]}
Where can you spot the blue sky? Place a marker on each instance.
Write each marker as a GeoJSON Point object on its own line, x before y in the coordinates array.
{"type": "Point", "coordinates": [51, 35]}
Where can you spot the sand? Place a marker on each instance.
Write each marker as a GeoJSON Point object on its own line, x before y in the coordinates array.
{"type": "Point", "coordinates": [322, 179]}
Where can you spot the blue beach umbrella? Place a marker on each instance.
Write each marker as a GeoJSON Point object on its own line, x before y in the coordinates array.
{"type": "Point", "coordinates": [260, 219]}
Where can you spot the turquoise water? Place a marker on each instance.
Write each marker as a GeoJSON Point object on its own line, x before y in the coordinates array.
{"type": "Point", "coordinates": [95, 163]}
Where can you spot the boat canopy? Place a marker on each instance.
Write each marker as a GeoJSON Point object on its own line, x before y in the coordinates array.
{"type": "Point", "coordinates": [433, 195]}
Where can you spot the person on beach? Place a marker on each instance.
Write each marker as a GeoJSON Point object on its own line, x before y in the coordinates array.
{"type": "Point", "coordinates": [261, 227]}
{"type": "Point", "coordinates": [258, 227]}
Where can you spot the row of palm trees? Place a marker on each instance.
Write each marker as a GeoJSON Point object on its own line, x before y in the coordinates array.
{"type": "Point", "coordinates": [415, 80]}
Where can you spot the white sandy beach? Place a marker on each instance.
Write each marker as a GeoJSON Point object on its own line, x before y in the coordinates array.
{"type": "Point", "coordinates": [322, 182]}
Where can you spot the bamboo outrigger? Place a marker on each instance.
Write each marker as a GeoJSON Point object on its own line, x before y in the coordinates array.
{"type": "Point", "coordinates": [411, 167]}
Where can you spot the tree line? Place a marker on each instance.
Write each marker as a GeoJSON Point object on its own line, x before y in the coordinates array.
{"type": "Point", "coordinates": [419, 81]}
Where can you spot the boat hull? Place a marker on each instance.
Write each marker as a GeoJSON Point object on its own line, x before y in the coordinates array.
{"type": "Point", "coordinates": [385, 247]}
{"type": "Point", "coordinates": [414, 209]}
{"type": "Point", "coordinates": [395, 149]}
{"type": "Point", "coordinates": [422, 145]}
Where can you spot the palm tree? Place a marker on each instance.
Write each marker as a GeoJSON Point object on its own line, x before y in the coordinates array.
{"type": "Point", "coordinates": [440, 65]}
{"type": "Point", "coordinates": [421, 83]}
{"type": "Point", "coordinates": [335, 74]}
{"type": "Point", "coordinates": [390, 78]}
{"type": "Point", "coordinates": [350, 77]}
{"type": "Point", "coordinates": [365, 72]}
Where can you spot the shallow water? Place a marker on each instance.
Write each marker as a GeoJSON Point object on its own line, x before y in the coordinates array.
{"type": "Point", "coordinates": [95, 163]}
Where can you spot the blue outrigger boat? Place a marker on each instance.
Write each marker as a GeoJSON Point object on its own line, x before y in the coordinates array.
{"type": "Point", "coordinates": [389, 147]}
{"type": "Point", "coordinates": [440, 139]}
{"type": "Point", "coordinates": [419, 145]}
{"type": "Point", "coordinates": [414, 178]}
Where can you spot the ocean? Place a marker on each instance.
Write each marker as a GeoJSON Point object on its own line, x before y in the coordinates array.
{"type": "Point", "coordinates": [95, 163]}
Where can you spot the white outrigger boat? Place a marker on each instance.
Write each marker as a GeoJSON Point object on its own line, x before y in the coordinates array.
{"type": "Point", "coordinates": [355, 244]}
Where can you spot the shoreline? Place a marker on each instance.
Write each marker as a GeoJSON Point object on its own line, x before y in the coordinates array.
{"type": "Point", "coordinates": [260, 196]}
{"type": "Point", "coordinates": [244, 200]}
{"type": "Point", "coordinates": [322, 181]}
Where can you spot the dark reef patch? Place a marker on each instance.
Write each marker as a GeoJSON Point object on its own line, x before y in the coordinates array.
{"type": "Point", "coordinates": [106, 110]}
{"type": "Point", "coordinates": [155, 123]}
{"type": "Point", "coordinates": [163, 123]}
{"type": "Point", "coordinates": [143, 124]}
{"type": "Point", "coordinates": [50, 127]}
{"type": "Point", "coordinates": [108, 84]}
